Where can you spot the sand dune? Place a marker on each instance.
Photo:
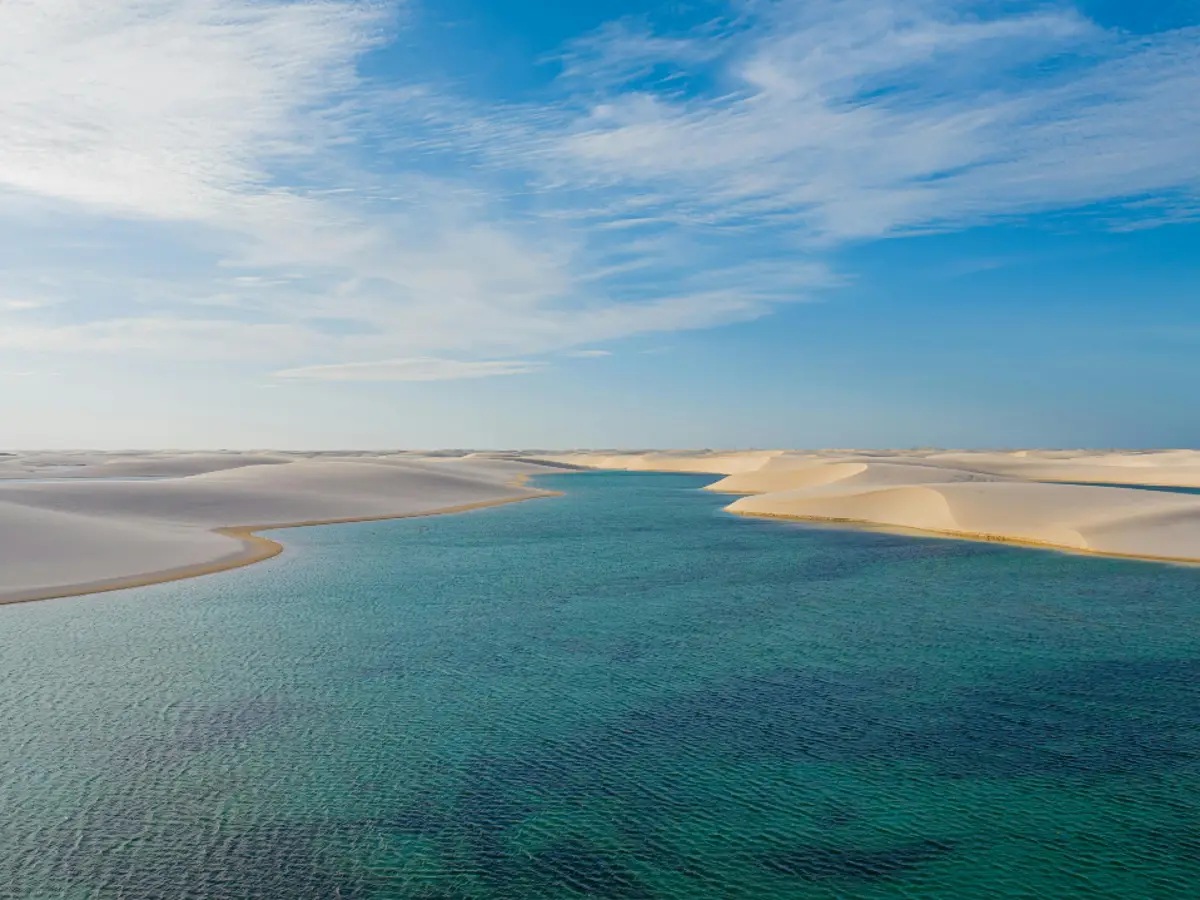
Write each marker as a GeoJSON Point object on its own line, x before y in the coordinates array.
{"type": "Point", "coordinates": [1174, 468]}
{"type": "Point", "coordinates": [81, 521]}
{"type": "Point", "coordinates": [1051, 498]}
{"type": "Point", "coordinates": [1171, 468]}
{"type": "Point", "coordinates": [789, 473]}
{"type": "Point", "coordinates": [128, 465]}
{"type": "Point", "coordinates": [74, 535]}
{"type": "Point", "coordinates": [700, 461]}
{"type": "Point", "coordinates": [1107, 520]}
{"type": "Point", "coordinates": [809, 473]}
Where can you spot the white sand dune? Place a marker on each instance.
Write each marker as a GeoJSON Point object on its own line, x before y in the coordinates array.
{"type": "Point", "coordinates": [791, 472]}
{"type": "Point", "coordinates": [76, 535]}
{"type": "Point", "coordinates": [128, 465]}
{"type": "Point", "coordinates": [778, 477]}
{"type": "Point", "coordinates": [80, 522]}
{"type": "Point", "coordinates": [1119, 521]}
{"type": "Point", "coordinates": [1050, 498]}
{"type": "Point", "coordinates": [1175, 468]}
{"type": "Point", "coordinates": [700, 461]}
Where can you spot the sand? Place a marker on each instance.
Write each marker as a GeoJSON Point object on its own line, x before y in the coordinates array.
{"type": "Point", "coordinates": [1052, 498]}
{"type": "Point", "coordinates": [81, 523]}
{"type": "Point", "coordinates": [700, 461]}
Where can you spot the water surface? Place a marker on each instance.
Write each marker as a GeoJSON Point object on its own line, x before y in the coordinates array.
{"type": "Point", "coordinates": [623, 692]}
{"type": "Point", "coordinates": [1162, 488]}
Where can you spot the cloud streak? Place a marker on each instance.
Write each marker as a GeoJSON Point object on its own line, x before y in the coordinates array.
{"type": "Point", "coordinates": [864, 119]}
{"type": "Point", "coordinates": [418, 369]}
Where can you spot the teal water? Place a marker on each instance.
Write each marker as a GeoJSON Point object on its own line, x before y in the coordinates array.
{"type": "Point", "coordinates": [1162, 488]}
{"type": "Point", "coordinates": [620, 693]}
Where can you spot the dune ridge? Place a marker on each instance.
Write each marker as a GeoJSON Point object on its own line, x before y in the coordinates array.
{"type": "Point", "coordinates": [77, 533]}
{"type": "Point", "coordinates": [83, 522]}
{"type": "Point", "coordinates": [1080, 501]}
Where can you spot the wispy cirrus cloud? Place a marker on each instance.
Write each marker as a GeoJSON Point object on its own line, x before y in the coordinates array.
{"type": "Point", "coordinates": [826, 122]}
{"type": "Point", "coordinates": [21, 304]}
{"type": "Point", "coordinates": [588, 353]}
{"type": "Point", "coordinates": [215, 179]}
{"type": "Point", "coordinates": [172, 110]}
{"type": "Point", "coordinates": [418, 369]}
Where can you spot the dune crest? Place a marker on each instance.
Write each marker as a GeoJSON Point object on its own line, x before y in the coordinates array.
{"type": "Point", "coordinates": [161, 517]}
{"type": "Point", "coordinates": [1072, 500]}
{"type": "Point", "coordinates": [79, 522]}
{"type": "Point", "coordinates": [698, 461]}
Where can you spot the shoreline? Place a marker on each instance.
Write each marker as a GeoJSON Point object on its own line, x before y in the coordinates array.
{"type": "Point", "coordinates": [255, 549]}
{"type": "Point", "coordinates": [978, 537]}
{"type": "Point", "coordinates": [1179, 554]}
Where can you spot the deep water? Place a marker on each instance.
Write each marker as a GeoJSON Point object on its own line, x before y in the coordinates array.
{"type": "Point", "coordinates": [619, 693]}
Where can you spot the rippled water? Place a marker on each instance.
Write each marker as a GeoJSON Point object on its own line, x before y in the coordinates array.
{"type": "Point", "coordinates": [621, 693]}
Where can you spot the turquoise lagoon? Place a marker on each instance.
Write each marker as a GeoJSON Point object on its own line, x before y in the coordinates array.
{"type": "Point", "coordinates": [620, 693]}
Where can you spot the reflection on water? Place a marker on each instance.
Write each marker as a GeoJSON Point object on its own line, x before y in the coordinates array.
{"type": "Point", "coordinates": [618, 693]}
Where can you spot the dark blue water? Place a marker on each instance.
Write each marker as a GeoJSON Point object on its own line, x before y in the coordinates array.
{"type": "Point", "coordinates": [623, 692]}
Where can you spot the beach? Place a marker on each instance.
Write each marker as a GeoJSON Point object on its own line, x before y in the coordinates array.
{"type": "Point", "coordinates": [84, 523]}
{"type": "Point", "coordinates": [77, 523]}
{"type": "Point", "coordinates": [1083, 501]}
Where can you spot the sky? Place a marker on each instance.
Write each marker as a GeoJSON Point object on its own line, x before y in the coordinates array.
{"type": "Point", "coordinates": [608, 223]}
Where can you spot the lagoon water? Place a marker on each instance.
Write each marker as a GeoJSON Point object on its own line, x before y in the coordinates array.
{"type": "Point", "coordinates": [619, 693]}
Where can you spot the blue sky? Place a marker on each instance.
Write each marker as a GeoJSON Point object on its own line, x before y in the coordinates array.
{"type": "Point", "coordinates": [328, 223]}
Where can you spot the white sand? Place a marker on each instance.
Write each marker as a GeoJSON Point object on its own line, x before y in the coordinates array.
{"type": "Point", "coordinates": [703, 461]}
{"type": "Point", "coordinates": [80, 533]}
{"type": "Point", "coordinates": [79, 522]}
{"type": "Point", "coordinates": [125, 465]}
{"type": "Point", "coordinates": [1027, 496]}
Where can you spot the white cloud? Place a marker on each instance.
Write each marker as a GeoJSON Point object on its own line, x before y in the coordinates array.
{"type": "Point", "coordinates": [164, 337]}
{"type": "Point", "coordinates": [213, 179]}
{"type": "Point", "coordinates": [21, 304]}
{"type": "Point", "coordinates": [417, 369]}
{"type": "Point", "coordinates": [867, 118]}
{"type": "Point", "coordinates": [170, 109]}
{"type": "Point", "coordinates": [588, 354]}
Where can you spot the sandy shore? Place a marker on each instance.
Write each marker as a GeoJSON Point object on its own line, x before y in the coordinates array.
{"type": "Point", "coordinates": [1069, 500]}
{"type": "Point", "coordinates": [75, 523]}
{"type": "Point", "coordinates": [87, 523]}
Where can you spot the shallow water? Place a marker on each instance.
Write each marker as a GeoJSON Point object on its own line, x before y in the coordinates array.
{"type": "Point", "coordinates": [623, 692]}
{"type": "Point", "coordinates": [1164, 488]}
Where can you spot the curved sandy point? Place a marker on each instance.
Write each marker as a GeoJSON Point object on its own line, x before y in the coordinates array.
{"type": "Point", "coordinates": [1103, 521]}
{"type": "Point", "coordinates": [64, 537]}
{"type": "Point", "coordinates": [982, 537]}
{"type": "Point", "coordinates": [255, 549]}
{"type": "Point", "coordinates": [1057, 499]}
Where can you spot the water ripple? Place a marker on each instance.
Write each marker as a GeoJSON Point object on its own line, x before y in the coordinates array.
{"type": "Point", "coordinates": [620, 694]}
